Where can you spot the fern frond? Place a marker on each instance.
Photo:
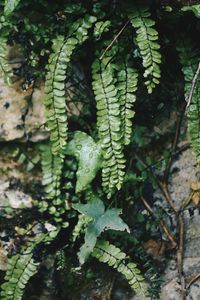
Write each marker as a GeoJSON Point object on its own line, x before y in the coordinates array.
{"type": "Point", "coordinates": [59, 60]}
{"type": "Point", "coordinates": [127, 78]}
{"type": "Point", "coordinates": [109, 124]}
{"type": "Point", "coordinates": [114, 257]}
{"type": "Point", "coordinates": [60, 259]}
{"type": "Point", "coordinates": [5, 68]}
{"type": "Point", "coordinates": [189, 59]}
{"type": "Point", "coordinates": [83, 222]}
{"type": "Point", "coordinates": [21, 267]}
{"type": "Point", "coordinates": [52, 166]}
{"type": "Point", "coordinates": [147, 40]}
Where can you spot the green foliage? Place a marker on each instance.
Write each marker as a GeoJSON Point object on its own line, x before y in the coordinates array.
{"type": "Point", "coordinates": [89, 55]}
{"type": "Point", "coordinates": [101, 220]}
{"type": "Point", "coordinates": [21, 267]}
{"type": "Point", "coordinates": [100, 28]}
{"type": "Point", "coordinates": [10, 6]}
{"type": "Point", "coordinates": [88, 155]}
{"type": "Point", "coordinates": [147, 40]}
{"type": "Point", "coordinates": [127, 85]}
{"type": "Point", "coordinates": [193, 8]}
{"type": "Point", "coordinates": [5, 67]}
{"type": "Point", "coordinates": [109, 123]}
{"type": "Point", "coordinates": [189, 59]}
{"type": "Point", "coordinates": [59, 60]}
{"type": "Point", "coordinates": [52, 166]}
{"type": "Point", "coordinates": [114, 257]}
{"type": "Point", "coordinates": [60, 260]}
{"type": "Point", "coordinates": [80, 227]}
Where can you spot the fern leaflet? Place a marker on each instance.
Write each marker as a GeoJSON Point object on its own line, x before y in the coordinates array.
{"type": "Point", "coordinates": [127, 85]}
{"type": "Point", "coordinates": [147, 40]}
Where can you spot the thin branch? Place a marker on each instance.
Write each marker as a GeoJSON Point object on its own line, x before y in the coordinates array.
{"type": "Point", "coordinates": [114, 40]}
{"type": "Point", "coordinates": [161, 222]}
{"type": "Point", "coordinates": [175, 142]}
{"type": "Point", "coordinates": [193, 279]}
{"type": "Point", "coordinates": [194, 81]}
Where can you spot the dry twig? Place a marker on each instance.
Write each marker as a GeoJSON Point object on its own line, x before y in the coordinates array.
{"type": "Point", "coordinates": [194, 81]}
{"type": "Point", "coordinates": [113, 41]}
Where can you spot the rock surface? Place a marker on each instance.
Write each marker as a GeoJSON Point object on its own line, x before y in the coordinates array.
{"type": "Point", "coordinates": [19, 118]}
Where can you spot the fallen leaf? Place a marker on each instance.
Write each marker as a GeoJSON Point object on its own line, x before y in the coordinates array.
{"type": "Point", "coordinates": [195, 186]}
{"type": "Point", "coordinates": [196, 198]}
{"type": "Point", "coordinates": [155, 248]}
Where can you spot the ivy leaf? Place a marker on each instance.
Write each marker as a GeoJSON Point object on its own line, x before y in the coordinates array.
{"type": "Point", "coordinates": [194, 8]}
{"type": "Point", "coordinates": [88, 155]}
{"type": "Point", "coordinates": [10, 6]}
{"type": "Point", "coordinates": [101, 220]}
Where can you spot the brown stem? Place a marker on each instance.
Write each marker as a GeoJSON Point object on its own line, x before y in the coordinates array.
{"type": "Point", "coordinates": [161, 222]}
{"type": "Point", "coordinates": [194, 81]}
{"type": "Point", "coordinates": [175, 142]}
{"type": "Point", "coordinates": [113, 41]}
{"type": "Point", "coordinates": [193, 279]}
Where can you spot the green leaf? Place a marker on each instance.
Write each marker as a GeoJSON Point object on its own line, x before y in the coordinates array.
{"type": "Point", "coordinates": [88, 155]}
{"type": "Point", "coordinates": [193, 8]}
{"type": "Point", "coordinates": [10, 6]}
{"type": "Point", "coordinates": [101, 220]}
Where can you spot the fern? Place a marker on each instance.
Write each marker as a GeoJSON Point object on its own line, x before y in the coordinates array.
{"type": "Point", "coordinates": [109, 124]}
{"type": "Point", "coordinates": [5, 68]}
{"type": "Point", "coordinates": [114, 257]}
{"type": "Point", "coordinates": [55, 80]}
{"type": "Point", "coordinates": [60, 260]}
{"type": "Point", "coordinates": [190, 60]}
{"type": "Point", "coordinates": [147, 40]}
{"type": "Point", "coordinates": [83, 222]}
{"type": "Point", "coordinates": [52, 166]}
{"type": "Point", "coordinates": [21, 267]}
{"type": "Point", "coordinates": [127, 85]}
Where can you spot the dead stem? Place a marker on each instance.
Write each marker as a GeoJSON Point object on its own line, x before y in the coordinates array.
{"type": "Point", "coordinates": [175, 142]}
{"type": "Point", "coordinates": [115, 38]}
{"type": "Point", "coordinates": [162, 224]}
{"type": "Point", "coordinates": [194, 81]}
{"type": "Point", "coordinates": [192, 279]}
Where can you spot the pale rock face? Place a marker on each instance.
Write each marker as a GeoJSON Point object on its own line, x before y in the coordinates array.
{"type": "Point", "coordinates": [35, 119]}
{"type": "Point", "coordinates": [20, 120]}
{"type": "Point", "coordinates": [12, 105]}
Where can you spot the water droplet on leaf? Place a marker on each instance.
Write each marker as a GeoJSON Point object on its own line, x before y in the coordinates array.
{"type": "Point", "coordinates": [79, 147]}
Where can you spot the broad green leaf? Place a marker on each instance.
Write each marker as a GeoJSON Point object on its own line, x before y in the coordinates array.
{"type": "Point", "coordinates": [101, 220]}
{"type": "Point", "coordinates": [88, 155]}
